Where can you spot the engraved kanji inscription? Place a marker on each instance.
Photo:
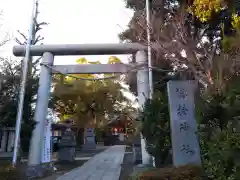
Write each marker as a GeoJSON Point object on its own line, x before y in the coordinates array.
{"type": "Point", "coordinates": [182, 110]}
{"type": "Point", "coordinates": [187, 150]}
{"type": "Point", "coordinates": [181, 93]}
{"type": "Point", "coordinates": [184, 126]}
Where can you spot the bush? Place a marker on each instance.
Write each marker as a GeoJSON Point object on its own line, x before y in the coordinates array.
{"type": "Point", "coordinates": [181, 173]}
{"type": "Point", "coordinates": [220, 155]}
{"type": "Point", "coordinates": [156, 127]}
{"type": "Point", "coordinates": [219, 135]}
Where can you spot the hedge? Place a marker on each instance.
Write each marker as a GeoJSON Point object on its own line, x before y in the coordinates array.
{"type": "Point", "coordinates": [181, 173]}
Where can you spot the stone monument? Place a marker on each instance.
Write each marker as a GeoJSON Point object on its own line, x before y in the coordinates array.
{"type": "Point", "coordinates": [89, 139]}
{"type": "Point", "coordinates": [67, 146]}
{"type": "Point", "coordinates": [185, 143]}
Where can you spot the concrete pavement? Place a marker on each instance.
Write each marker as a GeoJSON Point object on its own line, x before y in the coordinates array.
{"type": "Point", "coordinates": [103, 166]}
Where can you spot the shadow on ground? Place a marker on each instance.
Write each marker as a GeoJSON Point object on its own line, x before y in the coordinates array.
{"type": "Point", "coordinates": [127, 166]}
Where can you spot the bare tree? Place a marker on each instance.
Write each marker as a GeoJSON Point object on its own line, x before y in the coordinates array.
{"type": "Point", "coordinates": [11, 87]}
{"type": "Point", "coordinates": [36, 39]}
{"type": "Point", "coordinates": [4, 39]}
{"type": "Point", "coordinates": [176, 42]}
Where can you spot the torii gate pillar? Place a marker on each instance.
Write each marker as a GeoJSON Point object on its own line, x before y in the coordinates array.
{"type": "Point", "coordinates": [35, 153]}
{"type": "Point", "coordinates": [48, 52]}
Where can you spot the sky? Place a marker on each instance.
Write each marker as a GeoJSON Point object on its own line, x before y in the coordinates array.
{"type": "Point", "coordinates": [70, 22]}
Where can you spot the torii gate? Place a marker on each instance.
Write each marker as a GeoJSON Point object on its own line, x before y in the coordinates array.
{"type": "Point", "coordinates": [49, 51]}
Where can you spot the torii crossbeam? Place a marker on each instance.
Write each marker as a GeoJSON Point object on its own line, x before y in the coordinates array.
{"type": "Point", "coordinates": [48, 52]}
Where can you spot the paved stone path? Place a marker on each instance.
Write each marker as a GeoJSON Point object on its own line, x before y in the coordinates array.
{"type": "Point", "coordinates": [103, 166]}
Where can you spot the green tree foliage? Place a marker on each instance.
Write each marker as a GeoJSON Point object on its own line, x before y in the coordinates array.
{"type": "Point", "coordinates": [220, 154]}
{"type": "Point", "coordinates": [9, 93]}
{"type": "Point", "coordinates": [156, 127]}
{"type": "Point", "coordinates": [214, 63]}
{"type": "Point", "coordinates": [89, 102]}
{"type": "Point", "coordinates": [219, 127]}
{"type": "Point", "coordinates": [219, 132]}
{"type": "Point", "coordinates": [127, 115]}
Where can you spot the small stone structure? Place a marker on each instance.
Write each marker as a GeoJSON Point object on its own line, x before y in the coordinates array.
{"type": "Point", "coordinates": [67, 146]}
{"type": "Point", "coordinates": [89, 139]}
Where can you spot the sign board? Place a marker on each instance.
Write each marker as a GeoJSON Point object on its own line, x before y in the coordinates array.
{"type": "Point", "coordinates": [46, 146]}
{"type": "Point", "coordinates": [185, 143]}
{"type": "Point", "coordinates": [68, 139]}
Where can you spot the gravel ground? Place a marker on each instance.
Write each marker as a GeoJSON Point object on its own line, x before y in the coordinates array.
{"type": "Point", "coordinates": [63, 168]}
